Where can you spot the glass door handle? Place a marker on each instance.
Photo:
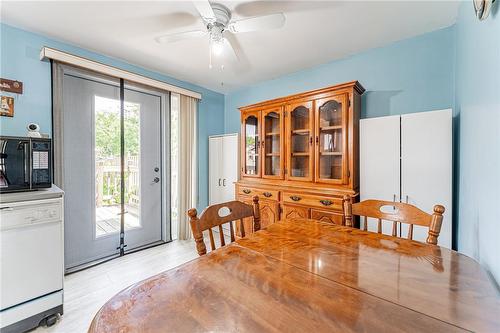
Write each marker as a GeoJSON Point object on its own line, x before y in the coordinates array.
{"type": "Point", "coordinates": [156, 180]}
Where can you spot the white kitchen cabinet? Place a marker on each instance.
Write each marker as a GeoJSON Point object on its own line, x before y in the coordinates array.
{"type": "Point", "coordinates": [408, 158]}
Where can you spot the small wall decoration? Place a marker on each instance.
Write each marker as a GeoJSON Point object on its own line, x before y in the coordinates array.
{"type": "Point", "coordinates": [7, 106]}
{"type": "Point", "coordinates": [12, 86]}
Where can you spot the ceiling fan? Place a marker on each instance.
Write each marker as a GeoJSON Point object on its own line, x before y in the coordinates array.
{"type": "Point", "coordinates": [217, 20]}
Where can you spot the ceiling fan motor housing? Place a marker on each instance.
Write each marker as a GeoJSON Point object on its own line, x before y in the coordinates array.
{"type": "Point", "coordinates": [222, 13]}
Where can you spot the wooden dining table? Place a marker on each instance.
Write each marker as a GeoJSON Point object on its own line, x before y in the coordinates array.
{"type": "Point", "coordinates": [302, 275]}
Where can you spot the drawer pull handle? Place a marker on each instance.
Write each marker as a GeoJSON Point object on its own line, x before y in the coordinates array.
{"type": "Point", "coordinates": [267, 194]}
{"type": "Point", "coordinates": [246, 191]}
{"type": "Point", "coordinates": [295, 198]}
{"type": "Point", "coordinates": [326, 202]}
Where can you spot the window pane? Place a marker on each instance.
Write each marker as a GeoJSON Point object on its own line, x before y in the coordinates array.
{"type": "Point", "coordinates": [107, 166]}
{"type": "Point", "coordinates": [132, 140]}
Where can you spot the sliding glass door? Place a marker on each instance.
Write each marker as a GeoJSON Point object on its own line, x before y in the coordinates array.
{"type": "Point", "coordinates": [114, 166]}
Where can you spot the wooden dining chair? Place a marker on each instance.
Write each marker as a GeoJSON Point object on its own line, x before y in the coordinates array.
{"type": "Point", "coordinates": [395, 212]}
{"type": "Point", "coordinates": [217, 215]}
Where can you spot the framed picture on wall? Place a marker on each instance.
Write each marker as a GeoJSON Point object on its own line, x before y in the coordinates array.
{"type": "Point", "coordinates": [7, 106]}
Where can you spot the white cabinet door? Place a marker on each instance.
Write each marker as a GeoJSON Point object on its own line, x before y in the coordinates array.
{"type": "Point", "coordinates": [223, 167]}
{"type": "Point", "coordinates": [230, 166]}
{"type": "Point", "coordinates": [426, 141]}
{"type": "Point", "coordinates": [215, 169]}
{"type": "Point", "coordinates": [379, 162]}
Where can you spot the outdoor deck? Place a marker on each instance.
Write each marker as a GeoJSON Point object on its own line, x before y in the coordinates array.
{"type": "Point", "coordinates": [108, 219]}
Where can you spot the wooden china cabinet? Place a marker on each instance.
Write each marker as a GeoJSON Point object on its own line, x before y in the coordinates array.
{"type": "Point", "coordinates": [300, 154]}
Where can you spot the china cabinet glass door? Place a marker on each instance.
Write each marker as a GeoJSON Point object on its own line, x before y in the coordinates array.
{"type": "Point", "coordinates": [331, 140]}
{"type": "Point", "coordinates": [300, 138]}
{"type": "Point", "coordinates": [272, 145]}
{"type": "Point", "coordinates": [251, 144]}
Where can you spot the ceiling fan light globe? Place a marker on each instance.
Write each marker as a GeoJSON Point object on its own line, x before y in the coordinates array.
{"type": "Point", "coordinates": [217, 47]}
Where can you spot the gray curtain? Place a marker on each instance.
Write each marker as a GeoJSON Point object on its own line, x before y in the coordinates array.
{"type": "Point", "coordinates": [57, 122]}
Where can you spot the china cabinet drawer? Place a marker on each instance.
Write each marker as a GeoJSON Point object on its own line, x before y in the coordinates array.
{"type": "Point", "coordinates": [327, 216]}
{"type": "Point", "coordinates": [262, 194]}
{"type": "Point", "coordinates": [313, 201]}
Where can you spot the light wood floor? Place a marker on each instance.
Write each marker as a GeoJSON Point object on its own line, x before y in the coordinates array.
{"type": "Point", "coordinates": [86, 291]}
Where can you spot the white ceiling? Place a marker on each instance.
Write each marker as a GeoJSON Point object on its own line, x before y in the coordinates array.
{"type": "Point", "coordinates": [315, 32]}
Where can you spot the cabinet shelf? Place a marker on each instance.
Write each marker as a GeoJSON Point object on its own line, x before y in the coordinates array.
{"type": "Point", "coordinates": [330, 153]}
{"type": "Point", "coordinates": [300, 131]}
{"type": "Point", "coordinates": [273, 134]}
{"type": "Point", "coordinates": [300, 154]}
{"type": "Point", "coordinates": [272, 154]}
{"type": "Point", "coordinates": [330, 128]}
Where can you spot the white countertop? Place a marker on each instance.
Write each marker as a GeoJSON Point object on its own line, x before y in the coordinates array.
{"type": "Point", "coordinates": [46, 193]}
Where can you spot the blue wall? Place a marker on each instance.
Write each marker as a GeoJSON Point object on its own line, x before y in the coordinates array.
{"type": "Point", "coordinates": [456, 67]}
{"type": "Point", "coordinates": [20, 61]}
{"type": "Point", "coordinates": [412, 75]}
{"type": "Point", "coordinates": [478, 107]}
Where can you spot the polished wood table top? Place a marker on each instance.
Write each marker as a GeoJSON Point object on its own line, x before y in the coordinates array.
{"type": "Point", "coordinates": [304, 275]}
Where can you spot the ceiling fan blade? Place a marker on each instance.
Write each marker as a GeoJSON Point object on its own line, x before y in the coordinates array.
{"type": "Point", "coordinates": [265, 22]}
{"type": "Point", "coordinates": [177, 36]}
{"type": "Point", "coordinates": [231, 52]}
{"type": "Point", "coordinates": [205, 10]}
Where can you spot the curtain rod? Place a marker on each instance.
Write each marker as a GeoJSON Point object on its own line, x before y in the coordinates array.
{"type": "Point", "coordinates": [50, 53]}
